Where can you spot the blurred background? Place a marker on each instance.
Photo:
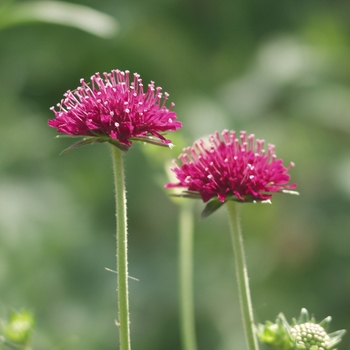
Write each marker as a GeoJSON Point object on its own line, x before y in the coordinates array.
{"type": "Point", "coordinates": [278, 69]}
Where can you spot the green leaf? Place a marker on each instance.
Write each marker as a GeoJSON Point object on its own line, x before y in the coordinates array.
{"type": "Point", "coordinates": [62, 13]}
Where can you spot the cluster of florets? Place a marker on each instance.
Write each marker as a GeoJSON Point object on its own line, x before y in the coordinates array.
{"type": "Point", "coordinates": [229, 166]}
{"type": "Point", "coordinates": [309, 335]}
{"type": "Point", "coordinates": [115, 108]}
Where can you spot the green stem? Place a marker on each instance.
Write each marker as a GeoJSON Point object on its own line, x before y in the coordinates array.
{"type": "Point", "coordinates": [122, 248]}
{"type": "Point", "coordinates": [242, 275]}
{"type": "Point", "coordinates": [187, 319]}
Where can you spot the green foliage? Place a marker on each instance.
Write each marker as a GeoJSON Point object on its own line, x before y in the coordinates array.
{"type": "Point", "coordinates": [18, 330]}
{"type": "Point", "coordinates": [57, 12]}
{"type": "Point", "coordinates": [275, 335]}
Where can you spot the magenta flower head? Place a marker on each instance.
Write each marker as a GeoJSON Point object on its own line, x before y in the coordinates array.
{"type": "Point", "coordinates": [113, 109]}
{"type": "Point", "coordinates": [230, 168]}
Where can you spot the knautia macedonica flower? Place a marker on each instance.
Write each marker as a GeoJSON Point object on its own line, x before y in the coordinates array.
{"type": "Point", "coordinates": [113, 109]}
{"type": "Point", "coordinates": [304, 334]}
{"type": "Point", "coordinates": [228, 167]}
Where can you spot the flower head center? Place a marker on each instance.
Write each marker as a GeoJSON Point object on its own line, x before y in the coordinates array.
{"type": "Point", "coordinates": [309, 335]}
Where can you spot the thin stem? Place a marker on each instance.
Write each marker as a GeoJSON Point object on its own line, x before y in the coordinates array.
{"type": "Point", "coordinates": [187, 319]}
{"type": "Point", "coordinates": [122, 248]}
{"type": "Point", "coordinates": [242, 275]}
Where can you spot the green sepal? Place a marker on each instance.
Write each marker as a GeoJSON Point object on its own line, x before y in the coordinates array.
{"type": "Point", "coordinates": [152, 140]}
{"type": "Point", "coordinates": [123, 148]}
{"type": "Point", "coordinates": [81, 143]}
{"type": "Point", "coordinates": [325, 323]}
{"type": "Point", "coordinates": [295, 193]}
{"type": "Point", "coordinates": [304, 316]}
{"type": "Point", "coordinates": [211, 207]}
{"type": "Point", "coordinates": [187, 194]}
{"type": "Point", "coordinates": [89, 140]}
{"type": "Point", "coordinates": [335, 338]}
{"type": "Point", "coordinates": [249, 199]}
{"type": "Point", "coordinates": [215, 204]}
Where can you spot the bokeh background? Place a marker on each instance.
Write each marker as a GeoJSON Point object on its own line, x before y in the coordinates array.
{"type": "Point", "coordinates": [278, 69]}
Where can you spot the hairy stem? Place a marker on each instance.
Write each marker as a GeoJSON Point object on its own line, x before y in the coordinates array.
{"type": "Point", "coordinates": [242, 276]}
{"type": "Point", "coordinates": [122, 248]}
{"type": "Point", "coordinates": [187, 319]}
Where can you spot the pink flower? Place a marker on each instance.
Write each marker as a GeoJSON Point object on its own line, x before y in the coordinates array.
{"type": "Point", "coordinates": [116, 111]}
{"type": "Point", "coordinates": [231, 168]}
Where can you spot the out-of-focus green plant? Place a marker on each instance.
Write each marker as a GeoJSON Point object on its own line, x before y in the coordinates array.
{"type": "Point", "coordinates": [18, 330]}
{"type": "Point", "coordinates": [274, 335]}
{"type": "Point", "coordinates": [186, 236]}
{"type": "Point", "coordinates": [57, 12]}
